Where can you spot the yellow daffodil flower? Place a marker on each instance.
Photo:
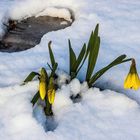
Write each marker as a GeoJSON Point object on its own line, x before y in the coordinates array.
{"type": "Point", "coordinates": [51, 91]}
{"type": "Point", "coordinates": [43, 84]}
{"type": "Point", "coordinates": [132, 80]}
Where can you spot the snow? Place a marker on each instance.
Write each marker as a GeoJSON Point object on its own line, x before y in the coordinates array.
{"type": "Point", "coordinates": [57, 12]}
{"type": "Point", "coordinates": [75, 86]}
{"type": "Point", "coordinates": [100, 115]}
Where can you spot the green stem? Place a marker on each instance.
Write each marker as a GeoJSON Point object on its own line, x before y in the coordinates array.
{"type": "Point", "coordinates": [48, 107]}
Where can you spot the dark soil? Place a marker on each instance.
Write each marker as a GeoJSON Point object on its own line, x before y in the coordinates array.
{"type": "Point", "coordinates": [27, 33]}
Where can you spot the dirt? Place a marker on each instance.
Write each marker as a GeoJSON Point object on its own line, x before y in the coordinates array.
{"type": "Point", "coordinates": [27, 33]}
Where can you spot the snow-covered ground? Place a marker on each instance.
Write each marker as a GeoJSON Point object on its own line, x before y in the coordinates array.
{"type": "Point", "coordinates": [100, 115]}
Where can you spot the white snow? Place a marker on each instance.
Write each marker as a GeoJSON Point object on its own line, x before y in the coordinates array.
{"type": "Point", "coordinates": [75, 86]}
{"type": "Point", "coordinates": [100, 115]}
{"type": "Point", "coordinates": [56, 12]}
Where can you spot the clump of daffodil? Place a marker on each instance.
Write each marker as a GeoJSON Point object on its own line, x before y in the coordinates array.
{"type": "Point", "coordinates": [43, 83]}
{"type": "Point", "coordinates": [51, 91]}
{"type": "Point", "coordinates": [132, 80]}
{"type": "Point", "coordinates": [47, 85]}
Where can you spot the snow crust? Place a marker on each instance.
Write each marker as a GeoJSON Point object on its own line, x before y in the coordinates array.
{"type": "Point", "coordinates": [100, 115]}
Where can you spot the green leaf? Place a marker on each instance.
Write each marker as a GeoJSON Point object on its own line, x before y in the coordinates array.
{"type": "Point", "coordinates": [83, 61]}
{"type": "Point", "coordinates": [92, 38]}
{"type": "Point", "coordinates": [53, 70]}
{"type": "Point", "coordinates": [35, 98]}
{"type": "Point", "coordinates": [118, 59]}
{"type": "Point", "coordinates": [80, 58]}
{"type": "Point", "coordinates": [90, 43]}
{"type": "Point", "coordinates": [51, 54]}
{"type": "Point", "coordinates": [94, 50]}
{"type": "Point", "coordinates": [73, 75]}
{"type": "Point", "coordinates": [126, 60]}
{"type": "Point", "coordinates": [72, 57]}
{"type": "Point", "coordinates": [44, 74]}
{"type": "Point", "coordinates": [49, 66]}
{"type": "Point", "coordinates": [31, 76]}
{"type": "Point", "coordinates": [98, 74]}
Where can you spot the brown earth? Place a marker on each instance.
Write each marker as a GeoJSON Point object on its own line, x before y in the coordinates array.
{"type": "Point", "coordinates": [27, 33]}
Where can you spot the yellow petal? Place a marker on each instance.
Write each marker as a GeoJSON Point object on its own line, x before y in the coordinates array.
{"type": "Point", "coordinates": [132, 80]}
{"type": "Point", "coordinates": [135, 82]}
{"type": "Point", "coordinates": [138, 80]}
{"type": "Point", "coordinates": [51, 95]}
{"type": "Point", "coordinates": [42, 90]}
{"type": "Point", "coordinates": [127, 83]}
{"type": "Point", "coordinates": [139, 83]}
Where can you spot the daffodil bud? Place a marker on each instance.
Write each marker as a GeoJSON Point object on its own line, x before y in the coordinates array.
{"type": "Point", "coordinates": [132, 80]}
{"type": "Point", "coordinates": [43, 84]}
{"type": "Point", "coordinates": [51, 95]}
{"type": "Point", "coordinates": [42, 89]}
{"type": "Point", "coordinates": [51, 91]}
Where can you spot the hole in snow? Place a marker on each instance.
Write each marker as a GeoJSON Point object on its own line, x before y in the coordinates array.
{"type": "Point", "coordinates": [76, 98]}
{"type": "Point", "coordinates": [49, 123]}
{"type": "Point", "coordinates": [25, 34]}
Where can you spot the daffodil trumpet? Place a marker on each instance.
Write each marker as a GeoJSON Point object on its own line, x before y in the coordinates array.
{"type": "Point", "coordinates": [132, 80]}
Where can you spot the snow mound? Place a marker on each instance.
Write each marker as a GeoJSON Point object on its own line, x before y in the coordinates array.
{"type": "Point", "coordinates": [99, 115]}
